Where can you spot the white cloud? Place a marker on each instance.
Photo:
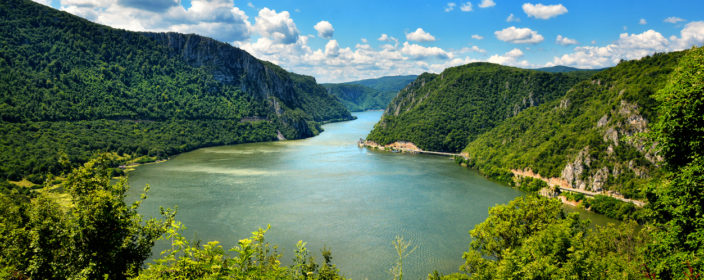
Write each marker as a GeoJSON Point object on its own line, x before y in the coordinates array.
{"type": "Point", "coordinates": [324, 29]}
{"type": "Point", "coordinates": [486, 4]}
{"type": "Point", "coordinates": [420, 36]}
{"type": "Point", "coordinates": [277, 26]}
{"type": "Point", "coordinates": [466, 7]}
{"type": "Point", "coordinates": [512, 18]}
{"type": "Point", "coordinates": [364, 40]}
{"type": "Point", "coordinates": [332, 48]}
{"type": "Point", "coordinates": [673, 20]}
{"type": "Point", "coordinates": [541, 11]}
{"type": "Point", "coordinates": [420, 52]}
{"type": "Point", "coordinates": [43, 2]}
{"type": "Point", "coordinates": [632, 46]}
{"type": "Point", "coordinates": [642, 22]}
{"type": "Point", "coordinates": [249, 4]}
{"type": "Point", "coordinates": [219, 19]}
{"type": "Point", "coordinates": [565, 41]}
{"type": "Point", "coordinates": [509, 58]}
{"type": "Point", "coordinates": [472, 49]}
{"type": "Point", "coordinates": [450, 6]}
{"type": "Point", "coordinates": [477, 37]}
{"type": "Point", "coordinates": [519, 35]}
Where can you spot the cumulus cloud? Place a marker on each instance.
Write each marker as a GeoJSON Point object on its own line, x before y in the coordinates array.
{"type": "Point", "coordinates": [420, 36]}
{"type": "Point", "coordinates": [486, 4]}
{"type": "Point", "coordinates": [512, 18]}
{"type": "Point", "coordinates": [509, 58]}
{"type": "Point", "coordinates": [450, 6]}
{"type": "Point", "coordinates": [642, 22]}
{"type": "Point", "coordinates": [324, 29]}
{"type": "Point", "coordinates": [277, 26]}
{"type": "Point", "coordinates": [466, 7]}
{"type": "Point", "coordinates": [477, 37]}
{"type": "Point", "coordinates": [519, 35]}
{"type": "Point", "coordinates": [565, 41]}
{"type": "Point", "coordinates": [419, 52]}
{"type": "Point", "coordinates": [541, 11]}
{"type": "Point", "coordinates": [219, 19]}
{"type": "Point", "coordinates": [632, 46]}
{"type": "Point", "coordinates": [472, 49]}
{"type": "Point", "coordinates": [673, 20]}
{"type": "Point", "coordinates": [332, 48]}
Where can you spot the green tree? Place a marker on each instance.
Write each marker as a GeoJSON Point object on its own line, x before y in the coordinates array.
{"type": "Point", "coordinates": [678, 202]}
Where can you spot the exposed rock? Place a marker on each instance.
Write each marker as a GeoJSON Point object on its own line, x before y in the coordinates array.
{"type": "Point", "coordinates": [573, 171]}
{"type": "Point", "coordinates": [564, 103]}
{"type": "Point", "coordinates": [611, 134]}
{"type": "Point", "coordinates": [599, 179]}
{"type": "Point", "coordinates": [602, 121]}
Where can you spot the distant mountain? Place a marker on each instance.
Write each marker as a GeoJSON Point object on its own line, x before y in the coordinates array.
{"type": "Point", "coordinates": [369, 94]}
{"type": "Point", "coordinates": [71, 87]}
{"type": "Point", "coordinates": [561, 69]}
{"type": "Point", "coordinates": [444, 112]}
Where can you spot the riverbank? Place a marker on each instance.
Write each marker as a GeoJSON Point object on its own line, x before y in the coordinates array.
{"type": "Point", "coordinates": [563, 186]}
{"type": "Point", "coordinates": [401, 147]}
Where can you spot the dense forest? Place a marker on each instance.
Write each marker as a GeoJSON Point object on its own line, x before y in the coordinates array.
{"type": "Point", "coordinates": [370, 94]}
{"type": "Point", "coordinates": [447, 111]}
{"type": "Point", "coordinates": [594, 128]}
{"type": "Point", "coordinates": [69, 86]}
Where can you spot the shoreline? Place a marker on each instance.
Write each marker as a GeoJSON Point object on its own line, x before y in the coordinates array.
{"type": "Point", "coordinates": [402, 147]}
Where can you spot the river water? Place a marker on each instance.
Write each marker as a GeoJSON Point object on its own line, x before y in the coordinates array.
{"type": "Point", "coordinates": [328, 192]}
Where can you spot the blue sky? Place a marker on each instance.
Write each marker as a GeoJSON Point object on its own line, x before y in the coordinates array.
{"type": "Point", "coordinates": [337, 41]}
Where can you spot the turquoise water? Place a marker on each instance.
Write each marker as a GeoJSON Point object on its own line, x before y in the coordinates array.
{"type": "Point", "coordinates": [328, 192]}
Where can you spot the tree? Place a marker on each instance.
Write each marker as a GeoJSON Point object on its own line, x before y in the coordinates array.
{"type": "Point", "coordinates": [678, 202]}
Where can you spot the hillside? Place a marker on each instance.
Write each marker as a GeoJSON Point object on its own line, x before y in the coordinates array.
{"type": "Point", "coordinates": [370, 94]}
{"type": "Point", "coordinates": [590, 137]}
{"type": "Point", "coordinates": [447, 111]}
{"type": "Point", "coordinates": [70, 88]}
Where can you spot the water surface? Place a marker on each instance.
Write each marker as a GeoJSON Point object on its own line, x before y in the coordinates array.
{"type": "Point", "coordinates": [327, 191]}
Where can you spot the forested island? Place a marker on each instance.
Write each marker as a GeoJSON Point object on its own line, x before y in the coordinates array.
{"type": "Point", "coordinates": [79, 99]}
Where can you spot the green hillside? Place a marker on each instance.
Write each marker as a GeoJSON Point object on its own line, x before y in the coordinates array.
{"type": "Point", "coordinates": [370, 94]}
{"type": "Point", "coordinates": [589, 136]}
{"type": "Point", "coordinates": [447, 111]}
{"type": "Point", "coordinates": [69, 86]}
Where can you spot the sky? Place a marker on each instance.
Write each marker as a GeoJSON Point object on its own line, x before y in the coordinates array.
{"type": "Point", "coordinates": [338, 41]}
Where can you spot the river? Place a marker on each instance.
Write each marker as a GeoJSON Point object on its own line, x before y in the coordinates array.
{"type": "Point", "coordinates": [328, 192]}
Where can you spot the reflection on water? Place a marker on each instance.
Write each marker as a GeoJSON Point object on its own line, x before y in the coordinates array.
{"type": "Point", "coordinates": [327, 191]}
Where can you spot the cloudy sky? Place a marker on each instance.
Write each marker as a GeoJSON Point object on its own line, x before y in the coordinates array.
{"type": "Point", "coordinates": [337, 41]}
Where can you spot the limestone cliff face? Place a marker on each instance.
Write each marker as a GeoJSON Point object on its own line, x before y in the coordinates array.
{"type": "Point", "coordinates": [591, 169]}
{"type": "Point", "coordinates": [231, 65]}
{"type": "Point", "coordinates": [292, 99]}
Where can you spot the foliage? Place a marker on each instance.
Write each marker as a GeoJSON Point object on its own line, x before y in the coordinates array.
{"type": "Point", "coordinates": [254, 259]}
{"type": "Point", "coordinates": [611, 207]}
{"type": "Point", "coordinates": [71, 86]}
{"type": "Point", "coordinates": [546, 137]}
{"type": "Point", "coordinates": [370, 94]}
{"type": "Point", "coordinates": [678, 201]}
{"type": "Point", "coordinates": [402, 252]}
{"type": "Point", "coordinates": [531, 238]}
{"type": "Point", "coordinates": [531, 185]}
{"type": "Point", "coordinates": [445, 112]}
{"type": "Point", "coordinates": [99, 236]}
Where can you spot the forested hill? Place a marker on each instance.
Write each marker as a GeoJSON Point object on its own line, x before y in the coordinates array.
{"type": "Point", "coordinates": [370, 94]}
{"type": "Point", "coordinates": [591, 136]}
{"type": "Point", "coordinates": [69, 88]}
{"type": "Point", "coordinates": [447, 111]}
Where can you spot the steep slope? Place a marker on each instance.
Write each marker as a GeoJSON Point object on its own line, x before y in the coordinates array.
{"type": "Point", "coordinates": [369, 94]}
{"type": "Point", "coordinates": [445, 112]}
{"type": "Point", "coordinates": [588, 138]}
{"type": "Point", "coordinates": [136, 93]}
